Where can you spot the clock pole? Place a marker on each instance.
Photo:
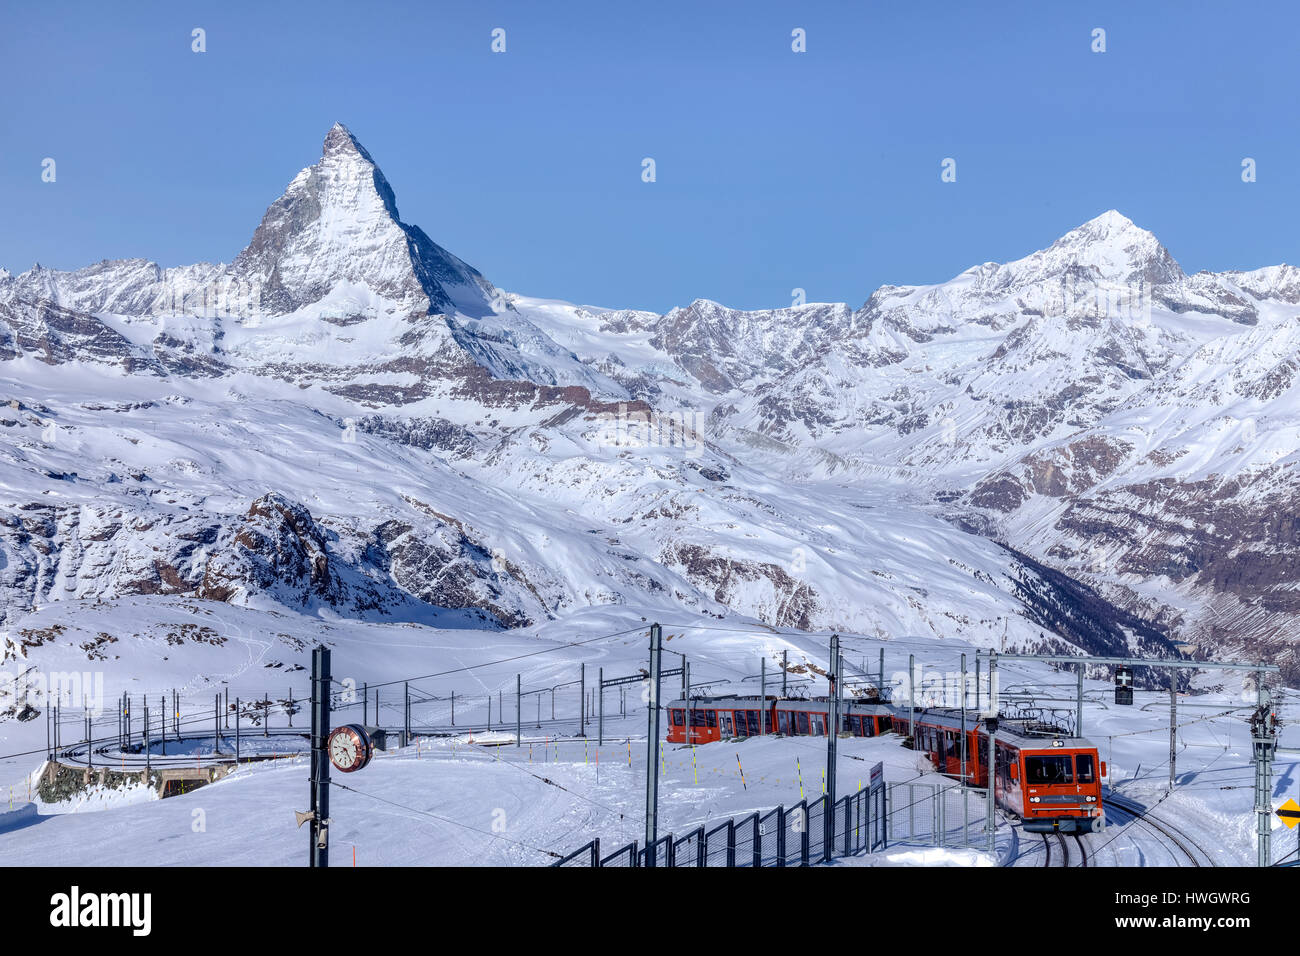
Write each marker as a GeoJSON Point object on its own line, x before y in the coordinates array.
{"type": "Point", "coordinates": [320, 763]}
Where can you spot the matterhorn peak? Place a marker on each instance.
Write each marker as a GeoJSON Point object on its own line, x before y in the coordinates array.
{"type": "Point", "coordinates": [337, 228]}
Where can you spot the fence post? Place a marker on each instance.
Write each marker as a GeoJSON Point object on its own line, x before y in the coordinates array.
{"type": "Point", "coordinates": [758, 844]}
{"type": "Point", "coordinates": [731, 844]}
{"type": "Point", "coordinates": [595, 853]}
{"type": "Point", "coordinates": [804, 837]}
{"type": "Point", "coordinates": [780, 835]}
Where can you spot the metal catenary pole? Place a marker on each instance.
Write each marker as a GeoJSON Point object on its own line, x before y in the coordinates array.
{"type": "Point", "coordinates": [785, 669]}
{"type": "Point", "coordinates": [911, 696]}
{"type": "Point", "coordinates": [320, 767]}
{"type": "Point", "coordinates": [686, 696]}
{"type": "Point", "coordinates": [582, 700]}
{"type": "Point", "coordinates": [762, 697]}
{"type": "Point", "coordinates": [1263, 744]}
{"type": "Point", "coordinates": [1078, 718]}
{"type": "Point", "coordinates": [963, 723]}
{"type": "Point", "coordinates": [990, 822]}
{"type": "Point", "coordinates": [600, 719]}
{"type": "Point", "coordinates": [1173, 726]}
{"type": "Point", "coordinates": [237, 734]}
{"type": "Point", "coordinates": [652, 745]}
{"type": "Point", "coordinates": [519, 700]}
{"type": "Point", "coordinates": [832, 739]}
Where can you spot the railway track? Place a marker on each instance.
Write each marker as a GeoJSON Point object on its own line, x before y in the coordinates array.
{"type": "Point", "coordinates": [1062, 843]}
{"type": "Point", "coordinates": [1167, 832]}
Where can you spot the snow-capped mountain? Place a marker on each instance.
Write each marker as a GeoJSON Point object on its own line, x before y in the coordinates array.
{"type": "Point", "coordinates": [348, 420]}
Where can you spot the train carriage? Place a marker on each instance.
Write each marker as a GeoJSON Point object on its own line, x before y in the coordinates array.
{"type": "Point", "coordinates": [1047, 777]}
{"type": "Point", "coordinates": [717, 718]}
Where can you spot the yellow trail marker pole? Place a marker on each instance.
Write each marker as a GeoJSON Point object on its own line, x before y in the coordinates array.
{"type": "Point", "coordinates": [742, 772]}
{"type": "Point", "coordinates": [799, 771]}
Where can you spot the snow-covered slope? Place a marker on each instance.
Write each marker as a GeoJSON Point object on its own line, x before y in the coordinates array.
{"type": "Point", "coordinates": [349, 421]}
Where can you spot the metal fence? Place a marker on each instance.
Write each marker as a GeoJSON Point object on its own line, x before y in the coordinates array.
{"type": "Point", "coordinates": [784, 836]}
{"type": "Point", "coordinates": [936, 814]}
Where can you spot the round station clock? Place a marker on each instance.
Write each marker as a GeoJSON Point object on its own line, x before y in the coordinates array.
{"type": "Point", "coordinates": [349, 747]}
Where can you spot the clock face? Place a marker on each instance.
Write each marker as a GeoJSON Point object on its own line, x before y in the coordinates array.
{"type": "Point", "coordinates": [349, 748]}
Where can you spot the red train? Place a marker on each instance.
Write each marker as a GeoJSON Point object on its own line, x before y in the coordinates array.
{"type": "Point", "coordinates": [1047, 777]}
{"type": "Point", "coordinates": [1051, 780]}
{"type": "Point", "coordinates": [715, 718]}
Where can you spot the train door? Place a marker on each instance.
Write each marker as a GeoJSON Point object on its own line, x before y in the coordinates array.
{"type": "Point", "coordinates": [818, 724]}
{"type": "Point", "coordinates": [724, 723]}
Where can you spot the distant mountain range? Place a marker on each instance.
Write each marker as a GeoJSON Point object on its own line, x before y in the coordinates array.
{"type": "Point", "coordinates": [1085, 447]}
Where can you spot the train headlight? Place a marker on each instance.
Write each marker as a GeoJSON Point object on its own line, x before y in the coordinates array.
{"type": "Point", "coordinates": [1090, 798]}
{"type": "Point", "coordinates": [1035, 799]}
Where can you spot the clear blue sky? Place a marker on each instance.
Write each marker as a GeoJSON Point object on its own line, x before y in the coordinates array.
{"type": "Point", "coordinates": [775, 169]}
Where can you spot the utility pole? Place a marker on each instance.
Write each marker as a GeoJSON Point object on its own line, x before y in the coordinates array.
{"type": "Point", "coordinates": [237, 709]}
{"type": "Point", "coordinates": [652, 745]}
{"type": "Point", "coordinates": [686, 696]}
{"type": "Point", "coordinates": [1263, 727]}
{"type": "Point", "coordinates": [582, 699]}
{"type": "Point", "coordinates": [365, 704]}
{"type": "Point", "coordinates": [600, 720]}
{"type": "Point", "coordinates": [990, 819]}
{"type": "Point", "coordinates": [406, 711]}
{"type": "Point", "coordinates": [963, 729]}
{"type": "Point", "coordinates": [762, 697]}
{"type": "Point", "coordinates": [320, 765]}
{"type": "Point", "coordinates": [911, 697]}
{"type": "Point", "coordinates": [991, 723]}
{"type": "Point", "coordinates": [832, 739]}
{"type": "Point", "coordinates": [1173, 726]}
{"type": "Point", "coordinates": [519, 697]}
{"type": "Point", "coordinates": [216, 724]}
{"type": "Point", "coordinates": [880, 689]}
{"type": "Point", "coordinates": [785, 669]}
{"type": "Point", "coordinates": [1078, 720]}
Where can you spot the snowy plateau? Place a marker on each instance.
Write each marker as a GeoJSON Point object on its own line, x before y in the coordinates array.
{"type": "Point", "coordinates": [348, 434]}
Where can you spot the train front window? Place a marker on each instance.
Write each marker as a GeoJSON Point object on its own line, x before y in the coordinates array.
{"type": "Point", "coordinates": [1083, 764]}
{"type": "Point", "coordinates": [677, 717]}
{"type": "Point", "coordinates": [751, 718]}
{"type": "Point", "coordinates": [1049, 769]}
